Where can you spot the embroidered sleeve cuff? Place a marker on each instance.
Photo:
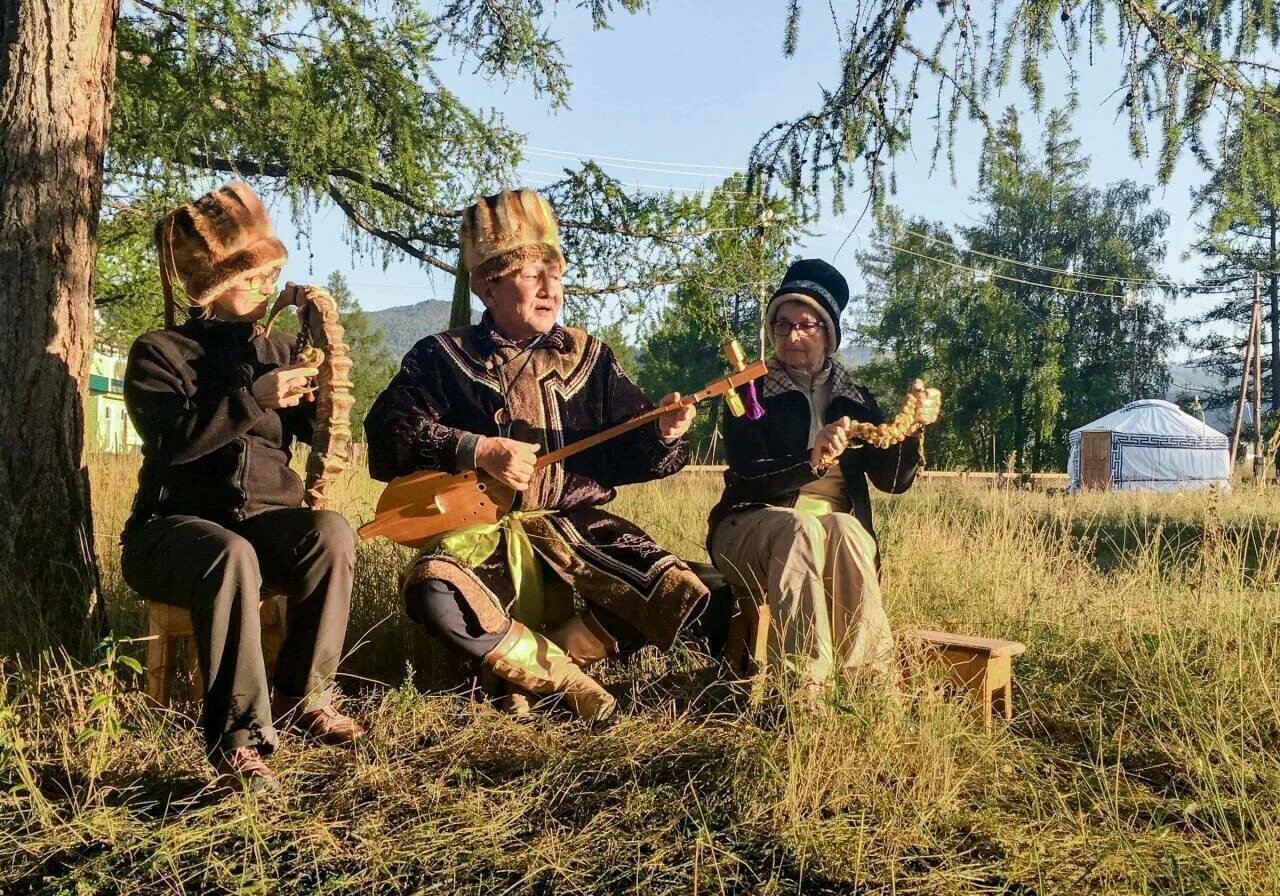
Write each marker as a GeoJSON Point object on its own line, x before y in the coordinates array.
{"type": "Point", "coordinates": [466, 454]}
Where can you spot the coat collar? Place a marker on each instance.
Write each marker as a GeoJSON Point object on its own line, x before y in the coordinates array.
{"type": "Point", "coordinates": [491, 342]}
{"type": "Point", "coordinates": [777, 381]}
{"type": "Point", "coordinates": [199, 327]}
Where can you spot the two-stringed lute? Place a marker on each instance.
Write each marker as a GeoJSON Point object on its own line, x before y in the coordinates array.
{"type": "Point", "coordinates": [415, 508]}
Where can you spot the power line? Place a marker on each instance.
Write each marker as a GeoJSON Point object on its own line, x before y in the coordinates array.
{"type": "Point", "coordinates": [1199, 286]}
{"type": "Point", "coordinates": [639, 165]}
{"type": "Point", "coordinates": [978, 272]}
{"type": "Point", "coordinates": [553, 178]}
{"type": "Point", "coordinates": [678, 173]}
{"type": "Point", "coordinates": [1040, 267]}
{"type": "Point", "coordinates": [562, 153]}
{"type": "Point", "coordinates": [982, 272]}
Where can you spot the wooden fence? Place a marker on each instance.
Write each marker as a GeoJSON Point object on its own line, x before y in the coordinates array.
{"type": "Point", "coordinates": [1011, 480]}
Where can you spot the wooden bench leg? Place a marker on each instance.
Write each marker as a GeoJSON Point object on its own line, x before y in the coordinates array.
{"type": "Point", "coordinates": [971, 673]}
{"type": "Point", "coordinates": [273, 620]}
{"type": "Point", "coordinates": [747, 646]}
{"type": "Point", "coordinates": [167, 624]}
{"type": "Point", "coordinates": [159, 654]}
{"type": "Point", "coordinates": [1000, 686]}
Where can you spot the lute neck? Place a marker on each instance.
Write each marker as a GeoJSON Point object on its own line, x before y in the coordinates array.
{"type": "Point", "coordinates": [612, 432]}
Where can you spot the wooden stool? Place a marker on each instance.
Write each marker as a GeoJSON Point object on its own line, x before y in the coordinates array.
{"type": "Point", "coordinates": [747, 648]}
{"type": "Point", "coordinates": [981, 666]}
{"type": "Point", "coordinates": [167, 624]}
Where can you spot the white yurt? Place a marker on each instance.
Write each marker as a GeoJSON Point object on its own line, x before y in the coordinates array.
{"type": "Point", "coordinates": [1149, 444]}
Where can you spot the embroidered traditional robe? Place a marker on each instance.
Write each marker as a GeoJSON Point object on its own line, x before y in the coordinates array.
{"type": "Point", "coordinates": [566, 388]}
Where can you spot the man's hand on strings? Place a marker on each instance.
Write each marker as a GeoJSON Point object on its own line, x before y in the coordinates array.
{"type": "Point", "coordinates": [830, 443]}
{"type": "Point", "coordinates": [507, 460]}
{"type": "Point", "coordinates": [676, 422]}
{"type": "Point", "coordinates": [284, 387]}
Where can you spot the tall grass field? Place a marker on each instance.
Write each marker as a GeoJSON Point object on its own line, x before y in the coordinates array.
{"type": "Point", "coordinates": [1143, 757]}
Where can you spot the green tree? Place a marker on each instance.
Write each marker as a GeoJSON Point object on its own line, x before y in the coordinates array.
{"type": "Point", "coordinates": [373, 364]}
{"type": "Point", "coordinates": [1242, 238]}
{"type": "Point", "coordinates": [1198, 74]}
{"type": "Point", "coordinates": [327, 103]}
{"type": "Point", "coordinates": [1033, 345]}
{"type": "Point", "coordinates": [729, 274]}
{"type": "Point", "coordinates": [127, 297]}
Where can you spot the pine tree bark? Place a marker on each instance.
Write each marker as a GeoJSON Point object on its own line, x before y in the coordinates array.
{"type": "Point", "coordinates": [57, 68]}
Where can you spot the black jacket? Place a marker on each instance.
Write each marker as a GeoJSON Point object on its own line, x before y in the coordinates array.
{"type": "Point", "coordinates": [208, 448]}
{"type": "Point", "coordinates": [769, 458]}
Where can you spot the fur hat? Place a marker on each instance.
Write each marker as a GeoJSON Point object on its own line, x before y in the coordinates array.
{"type": "Point", "coordinates": [818, 285]}
{"type": "Point", "coordinates": [502, 233]}
{"type": "Point", "coordinates": [208, 244]}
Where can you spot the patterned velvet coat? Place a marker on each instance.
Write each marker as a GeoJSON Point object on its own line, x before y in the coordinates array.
{"type": "Point", "coordinates": [768, 459]}
{"type": "Point", "coordinates": [566, 388]}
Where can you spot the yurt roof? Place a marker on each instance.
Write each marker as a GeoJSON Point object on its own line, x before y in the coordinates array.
{"type": "Point", "coordinates": [1151, 416]}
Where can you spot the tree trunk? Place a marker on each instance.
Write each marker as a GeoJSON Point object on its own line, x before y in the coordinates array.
{"type": "Point", "coordinates": [57, 68]}
{"type": "Point", "coordinates": [1019, 434]}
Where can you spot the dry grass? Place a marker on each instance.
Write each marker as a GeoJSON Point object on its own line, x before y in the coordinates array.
{"type": "Point", "coordinates": [1144, 757]}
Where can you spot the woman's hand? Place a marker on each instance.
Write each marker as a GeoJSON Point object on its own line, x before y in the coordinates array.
{"type": "Point", "coordinates": [829, 443]}
{"type": "Point", "coordinates": [507, 460]}
{"type": "Point", "coordinates": [928, 406]}
{"type": "Point", "coordinates": [285, 387]}
{"type": "Point", "coordinates": [675, 422]}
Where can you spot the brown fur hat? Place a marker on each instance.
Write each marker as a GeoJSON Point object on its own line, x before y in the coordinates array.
{"type": "Point", "coordinates": [207, 244]}
{"type": "Point", "coordinates": [502, 233]}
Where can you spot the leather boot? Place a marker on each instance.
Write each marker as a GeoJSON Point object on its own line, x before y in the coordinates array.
{"type": "Point", "coordinates": [584, 639]}
{"type": "Point", "coordinates": [505, 696]}
{"type": "Point", "coordinates": [531, 662]}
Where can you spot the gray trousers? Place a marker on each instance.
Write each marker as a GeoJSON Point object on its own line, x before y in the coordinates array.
{"type": "Point", "coordinates": [217, 573]}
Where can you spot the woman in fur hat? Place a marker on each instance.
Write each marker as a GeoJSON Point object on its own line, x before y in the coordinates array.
{"type": "Point", "coordinates": [493, 396]}
{"type": "Point", "coordinates": [793, 525]}
{"type": "Point", "coordinates": [219, 513]}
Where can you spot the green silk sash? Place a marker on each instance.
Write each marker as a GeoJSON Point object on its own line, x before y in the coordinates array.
{"type": "Point", "coordinates": [473, 545]}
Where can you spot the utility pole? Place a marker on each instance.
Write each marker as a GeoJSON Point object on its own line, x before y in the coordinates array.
{"type": "Point", "coordinates": [1245, 371]}
{"type": "Point", "coordinates": [1257, 378]}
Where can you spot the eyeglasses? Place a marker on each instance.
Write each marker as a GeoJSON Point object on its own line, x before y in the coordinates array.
{"type": "Point", "coordinates": [807, 329]}
{"type": "Point", "coordinates": [257, 281]}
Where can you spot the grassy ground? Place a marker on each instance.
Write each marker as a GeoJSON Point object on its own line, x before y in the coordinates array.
{"type": "Point", "coordinates": [1144, 757]}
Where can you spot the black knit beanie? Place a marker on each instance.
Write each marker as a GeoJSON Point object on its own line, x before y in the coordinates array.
{"type": "Point", "coordinates": [819, 282]}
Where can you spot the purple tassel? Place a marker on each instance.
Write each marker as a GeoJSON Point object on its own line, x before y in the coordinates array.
{"type": "Point", "coordinates": [750, 402]}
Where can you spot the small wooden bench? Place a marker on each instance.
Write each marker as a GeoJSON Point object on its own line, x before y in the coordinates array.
{"type": "Point", "coordinates": [167, 625]}
{"type": "Point", "coordinates": [981, 666]}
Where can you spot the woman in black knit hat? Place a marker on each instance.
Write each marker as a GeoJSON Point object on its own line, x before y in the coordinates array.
{"type": "Point", "coordinates": [793, 525]}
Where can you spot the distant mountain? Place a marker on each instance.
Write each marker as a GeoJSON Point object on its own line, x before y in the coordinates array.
{"type": "Point", "coordinates": [855, 355]}
{"type": "Point", "coordinates": [1186, 380]}
{"type": "Point", "coordinates": [404, 325]}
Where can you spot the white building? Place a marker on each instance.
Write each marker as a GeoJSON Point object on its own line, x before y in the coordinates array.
{"type": "Point", "coordinates": [107, 425]}
{"type": "Point", "coordinates": [1150, 444]}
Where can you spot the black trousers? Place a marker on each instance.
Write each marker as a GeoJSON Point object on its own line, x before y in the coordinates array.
{"type": "Point", "coordinates": [217, 573]}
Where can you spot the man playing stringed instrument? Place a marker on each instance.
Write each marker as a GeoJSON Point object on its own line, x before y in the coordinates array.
{"type": "Point", "coordinates": [491, 397]}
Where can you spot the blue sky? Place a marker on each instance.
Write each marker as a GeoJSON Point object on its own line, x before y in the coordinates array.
{"type": "Point", "coordinates": [694, 84]}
